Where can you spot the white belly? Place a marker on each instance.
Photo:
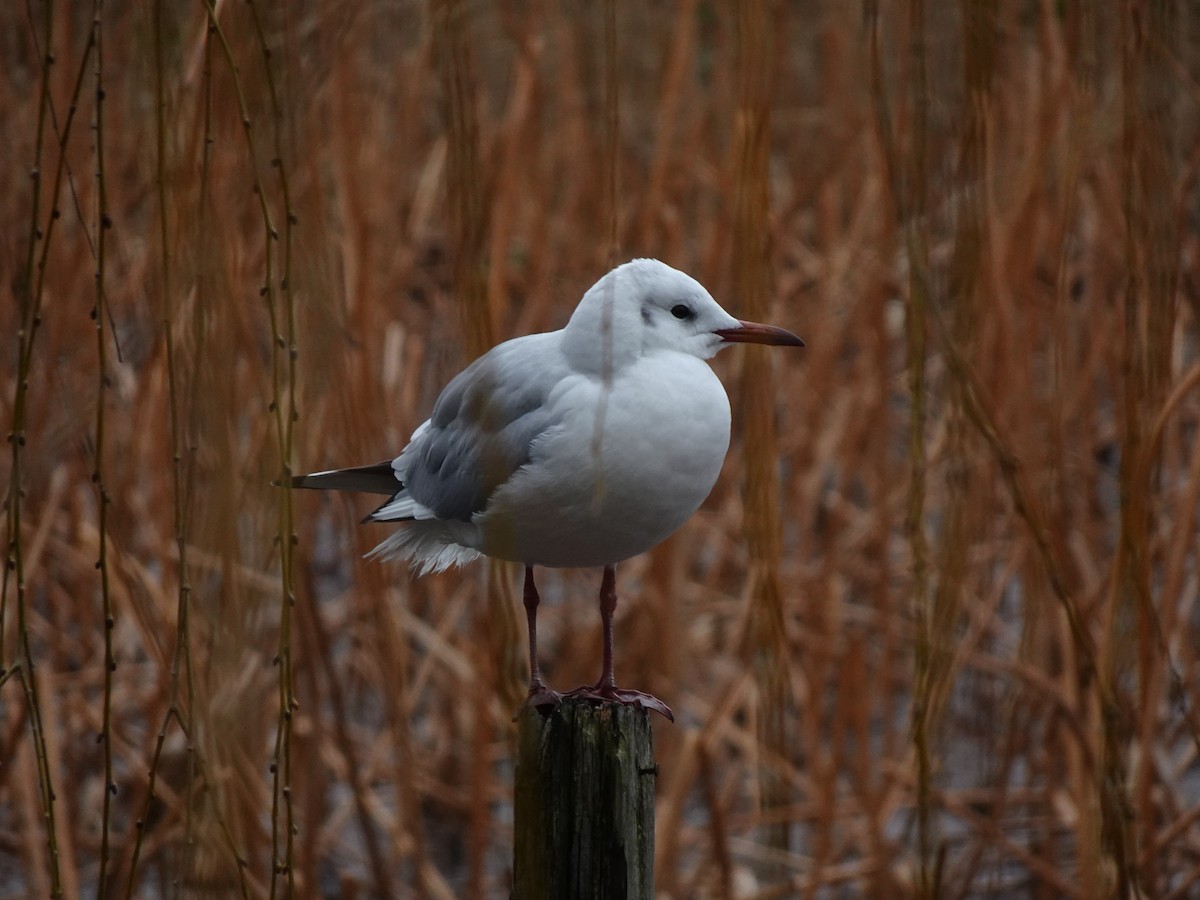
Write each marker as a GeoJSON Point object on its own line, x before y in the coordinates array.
{"type": "Point", "coordinates": [628, 466]}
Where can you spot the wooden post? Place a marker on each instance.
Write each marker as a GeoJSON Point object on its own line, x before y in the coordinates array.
{"type": "Point", "coordinates": [584, 803]}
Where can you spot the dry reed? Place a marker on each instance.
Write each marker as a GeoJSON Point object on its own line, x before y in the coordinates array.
{"type": "Point", "coordinates": [943, 641]}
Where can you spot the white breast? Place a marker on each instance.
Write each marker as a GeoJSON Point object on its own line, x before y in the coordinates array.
{"type": "Point", "coordinates": [629, 464]}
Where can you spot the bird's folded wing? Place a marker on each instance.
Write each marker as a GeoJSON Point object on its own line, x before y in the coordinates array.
{"type": "Point", "coordinates": [482, 427]}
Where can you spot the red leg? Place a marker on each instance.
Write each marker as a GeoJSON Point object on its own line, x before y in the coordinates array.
{"type": "Point", "coordinates": [608, 606]}
{"type": "Point", "coordinates": [606, 688]}
{"type": "Point", "coordinates": [539, 694]}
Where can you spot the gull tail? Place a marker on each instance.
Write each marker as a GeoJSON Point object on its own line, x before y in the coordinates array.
{"type": "Point", "coordinates": [425, 542]}
{"type": "Point", "coordinates": [379, 478]}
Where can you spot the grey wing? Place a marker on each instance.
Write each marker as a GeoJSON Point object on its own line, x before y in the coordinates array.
{"type": "Point", "coordinates": [482, 427]}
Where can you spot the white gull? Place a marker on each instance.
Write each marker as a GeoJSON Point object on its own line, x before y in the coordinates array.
{"type": "Point", "coordinates": [574, 448]}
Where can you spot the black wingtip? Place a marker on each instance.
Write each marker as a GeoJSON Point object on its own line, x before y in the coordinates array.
{"type": "Point", "coordinates": [378, 478]}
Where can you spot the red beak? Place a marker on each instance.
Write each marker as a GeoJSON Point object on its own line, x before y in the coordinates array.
{"type": "Point", "coordinates": [753, 333]}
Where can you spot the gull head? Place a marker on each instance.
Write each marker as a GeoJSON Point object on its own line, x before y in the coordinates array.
{"type": "Point", "coordinates": [645, 306]}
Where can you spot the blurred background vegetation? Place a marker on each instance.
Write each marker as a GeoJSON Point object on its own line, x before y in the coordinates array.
{"type": "Point", "coordinates": [936, 630]}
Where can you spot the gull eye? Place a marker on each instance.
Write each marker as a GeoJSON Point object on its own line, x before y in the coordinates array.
{"type": "Point", "coordinates": [680, 311]}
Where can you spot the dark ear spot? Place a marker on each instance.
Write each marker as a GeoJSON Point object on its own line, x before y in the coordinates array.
{"type": "Point", "coordinates": [647, 319]}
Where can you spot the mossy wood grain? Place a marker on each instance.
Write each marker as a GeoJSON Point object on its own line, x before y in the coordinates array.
{"type": "Point", "coordinates": [584, 803]}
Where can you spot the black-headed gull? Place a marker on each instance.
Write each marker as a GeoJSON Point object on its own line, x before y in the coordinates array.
{"type": "Point", "coordinates": [578, 447]}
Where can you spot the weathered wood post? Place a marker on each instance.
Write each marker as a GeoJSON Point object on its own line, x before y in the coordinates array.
{"type": "Point", "coordinates": [584, 803]}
